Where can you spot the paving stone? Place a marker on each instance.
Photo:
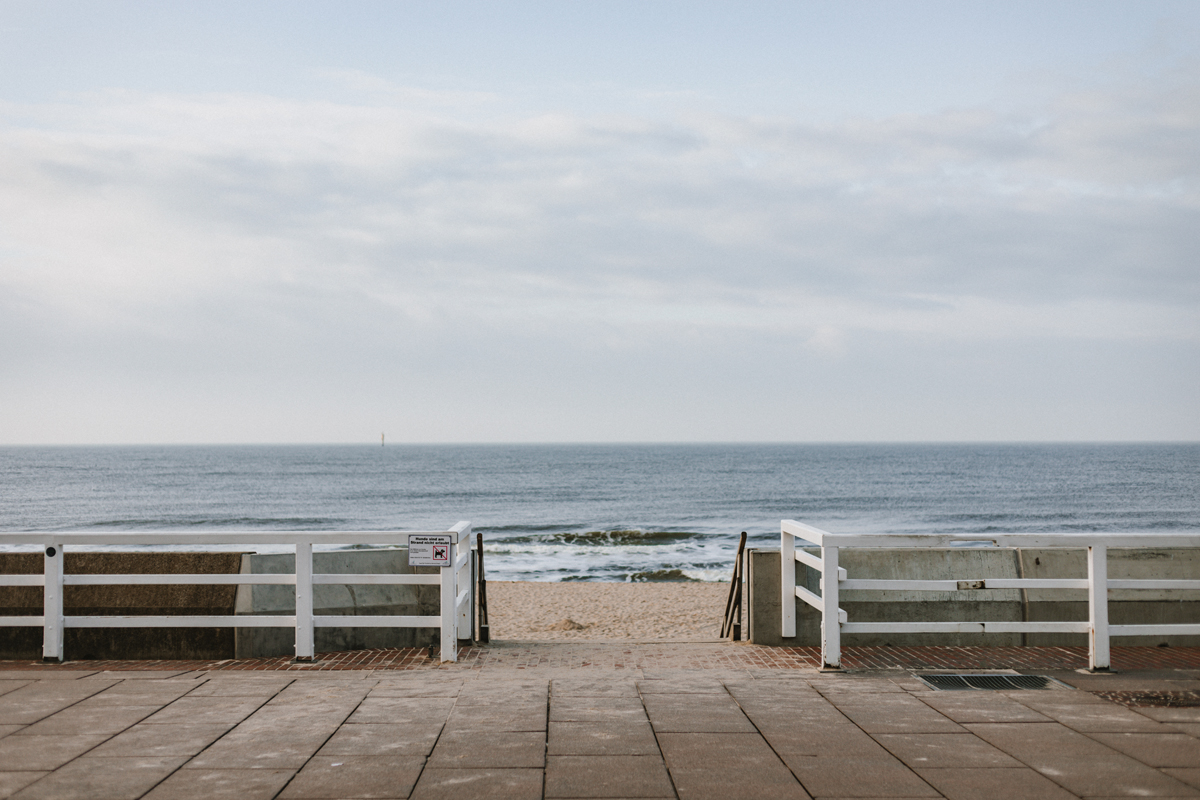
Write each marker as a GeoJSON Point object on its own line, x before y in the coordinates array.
{"type": "Point", "coordinates": [680, 686]}
{"type": "Point", "coordinates": [13, 782]}
{"type": "Point", "coordinates": [356, 777]}
{"type": "Point", "coordinates": [162, 740]}
{"type": "Point", "coordinates": [1154, 749]}
{"type": "Point", "coordinates": [1079, 764]}
{"type": "Point", "coordinates": [516, 717]}
{"type": "Point", "coordinates": [5, 730]}
{"type": "Point", "coordinates": [704, 765]}
{"type": "Point", "coordinates": [935, 750]}
{"type": "Point", "coordinates": [90, 720]}
{"type": "Point", "coordinates": [1188, 775]}
{"type": "Point", "coordinates": [402, 710]}
{"type": "Point", "coordinates": [139, 675]}
{"type": "Point", "coordinates": [7, 686]}
{"type": "Point", "coordinates": [212, 710]}
{"type": "Point", "coordinates": [241, 687]}
{"type": "Point", "coordinates": [46, 674]}
{"type": "Point", "coordinates": [581, 687]}
{"type": "Point", "coordinates": [606, 776]}
{"type": "Point", "coordinates": [391, 688]}
{"type": "Point", "coordinates": [696, 714]}
{"type": "Point", "coordinates": [479, 784]}
{"type": "Point", "coordinates": [487, 749]}
{"type": "Point", "coordinates": [222, 784]}
{"type": "Point", "coordinates": [857, 777]}
{"type": "Point", "coordinates": [839, 741]}
{"type": "Point", "coordinates": [122, 695]}
{"type": "Point", "coordinates": [32, 753]}
{"type": "Point", "coordinates": [897, 718]}
{"type": "Point", "coordinates": [1107, 718]}
{"type": "Point", "coordinates": [852, 684]}
{"type": "Point", "coordinates": [1171, 714]}
{"type": "Point", "coordinates": [980, 707]}
{"type": "Point", "coordinates": [283, 748]}
{"type": "Point", "coordinates": [783, 715]}
{"type": "Point", "coordinates": [492, 693]}
{"type": "Point", "coordinates": [382, 740]}
{"type": "Point", "coordinates": [274, 718]}
{"type": "Point", "coordinates": [1190, 728]}
{"type": "Point", "coordinates": [102, 779]}
{"type": "Point", "coordinates": [631, 738]}
{"type": "Point", "coordinates": [586, 709]}
{"type": "Point", "coordinates": [994, 784]}
{"type": "Point", "coordinates": [37, 701]}
{"type": "Point", "coordinates": [1026, 741]}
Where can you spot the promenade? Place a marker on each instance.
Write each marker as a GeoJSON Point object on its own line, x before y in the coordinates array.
{"type": "Point", "coordinates": [604, 720]}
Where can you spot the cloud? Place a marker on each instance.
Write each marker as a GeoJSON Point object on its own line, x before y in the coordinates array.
{"type": "Point", "coordinates": [418, 226]}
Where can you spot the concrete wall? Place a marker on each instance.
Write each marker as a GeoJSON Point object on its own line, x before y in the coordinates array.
{"type": "Point", "coordinates": [213, 643]}
{"type": "Point", "coordinates": [334, 600]}
{"type": "Point", "coordinates": [123, 643]}
{"type": "Point", "coordinates": [1125, 606]}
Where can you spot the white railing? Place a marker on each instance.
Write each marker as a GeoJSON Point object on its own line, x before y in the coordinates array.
{"type": "Point", "coordinates": [457, 591]}
{"type": "Point", "coordinates": [834, 621]}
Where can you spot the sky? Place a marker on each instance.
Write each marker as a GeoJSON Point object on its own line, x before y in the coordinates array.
{"type": "Point", "coordinates": [276, 222]}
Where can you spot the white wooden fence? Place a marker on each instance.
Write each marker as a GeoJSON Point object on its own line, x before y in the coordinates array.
{"type": "Point", "coordinates": [457, 591]}
{"type": "Point", "coordinates": [834, 621]}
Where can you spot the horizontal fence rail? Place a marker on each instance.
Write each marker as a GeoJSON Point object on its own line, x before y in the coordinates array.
{"type": "Point", "coordinates": [834, 621]}
{"type": "Point", "coordinates": [456, 593]}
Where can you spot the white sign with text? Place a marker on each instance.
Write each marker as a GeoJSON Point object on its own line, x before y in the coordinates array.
{"type": "Point", "coordinates": [429, 550]}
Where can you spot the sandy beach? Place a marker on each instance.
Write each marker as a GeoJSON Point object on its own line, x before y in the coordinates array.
{"type": "Point", "coordinates": [669, 611]}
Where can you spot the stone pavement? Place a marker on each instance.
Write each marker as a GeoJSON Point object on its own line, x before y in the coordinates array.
{"type": "Point", "coordinates": [555, 721]}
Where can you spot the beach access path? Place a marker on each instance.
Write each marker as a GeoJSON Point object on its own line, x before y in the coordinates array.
{"type": "Point", "coordinates": [618, 719]}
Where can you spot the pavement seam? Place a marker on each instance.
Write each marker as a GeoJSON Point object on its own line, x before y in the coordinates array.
{"type": "Point", "coordinates": [223, 735]}
{"type": "Point", "coordinates": [754, 725]}
{"type": "Point", "coordinates": [637, 685]}
{"type": "Point", "coordinates": [283, 788]}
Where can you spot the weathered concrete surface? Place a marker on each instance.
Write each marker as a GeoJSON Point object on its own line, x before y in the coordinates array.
{"type": "Point", "coordinates": [763, 602]}
{"type": "Point", "coordinates": [208, 600]}
{"type": "Point", "coordinates": [124, 643]}
{"type": "Point", "coordinates": [613, 732]}
{"type": "Point", "coordinates": [335, 600]}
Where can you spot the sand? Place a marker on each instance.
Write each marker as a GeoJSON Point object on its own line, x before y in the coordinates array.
{"type": "Point", "coordinates": [581, 610]}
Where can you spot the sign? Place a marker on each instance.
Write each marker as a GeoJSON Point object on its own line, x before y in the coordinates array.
{"type": "Point", "coordinates": [429, 550]}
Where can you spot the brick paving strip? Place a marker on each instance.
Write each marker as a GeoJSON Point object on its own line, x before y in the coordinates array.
{"type": "Point", "coordinates": [654, 655]}
{"type": "Point", "coordinates": [572, 720]}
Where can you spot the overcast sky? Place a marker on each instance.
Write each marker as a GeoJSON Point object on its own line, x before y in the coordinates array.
{"type": "Point", "coordinates": [561, 221]}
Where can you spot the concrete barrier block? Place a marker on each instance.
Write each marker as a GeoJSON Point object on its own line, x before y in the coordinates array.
{"type": "Point", "coordinates": [337, 600]}
{"type": "Point", "coordinates": [1126, 607]}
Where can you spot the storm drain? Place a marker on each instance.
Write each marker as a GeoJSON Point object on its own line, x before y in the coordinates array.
{"type": "Point", "coordinates": [964, 683]}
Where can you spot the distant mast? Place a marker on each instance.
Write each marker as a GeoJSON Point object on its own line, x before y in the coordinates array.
{"type": "Point", "coordinates": [381, 442]}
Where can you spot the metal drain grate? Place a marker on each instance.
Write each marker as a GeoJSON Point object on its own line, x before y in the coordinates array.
{"type": "Point", "coordinates": [963, 683]}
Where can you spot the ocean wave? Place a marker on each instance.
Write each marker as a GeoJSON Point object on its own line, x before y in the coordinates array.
{"type": "Point", "coordinates": [619, 537]}
{"type": "Point", "coordinates": [167, 523]}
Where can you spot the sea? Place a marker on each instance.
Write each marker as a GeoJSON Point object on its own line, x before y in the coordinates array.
{"type": "Point", "coordinates": [605, 512]}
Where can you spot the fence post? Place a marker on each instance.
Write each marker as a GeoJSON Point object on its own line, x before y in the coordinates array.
{"type": "Point", "coordinates": [304, 602]}
{"type": "Point", "coordinates": [1098, 652]}
{"type": "Point", "coordinates": [466, 629]}
{"type": "Point", "coordinates": [831, 625]}
{"type": "Point", "coordinates": [449, 612]}
{"type": "Point", "coordinates": [787, 582]}
{"type": "Point", "coordinates": [53, 622]}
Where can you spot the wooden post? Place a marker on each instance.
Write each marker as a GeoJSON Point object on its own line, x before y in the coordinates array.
{"type": "Point", "coordinates": [483, 611]}
{"type": "Point", "coordinates": [731, 625]}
